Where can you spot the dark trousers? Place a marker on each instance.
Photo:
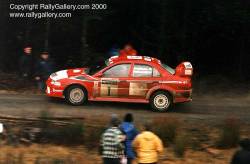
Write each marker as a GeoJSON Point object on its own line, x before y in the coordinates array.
{"type": "Point", "coordinates": [111, 161]}
{"type": "Point", "coordinates": [41, 85]}
{"type": "Point", "coordinates": [129, 160]}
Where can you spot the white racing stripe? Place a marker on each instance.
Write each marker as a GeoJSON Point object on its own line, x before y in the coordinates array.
{"type": "Point", "coordinates": [60, 75]}
{"type": "Point", "coordinates": [151, 81]}
{"type": "Point", "coordinates": [76, 70]}
{"type": "Point", "coordinates": [171, 82]}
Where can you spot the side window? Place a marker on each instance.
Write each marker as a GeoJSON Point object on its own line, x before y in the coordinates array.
{"type": "Point", "coordinates": [156, 73]}
{"type": "Point", "coordinates": [121, 70]}
{"type": "Point", "coordinates": [141, 70]}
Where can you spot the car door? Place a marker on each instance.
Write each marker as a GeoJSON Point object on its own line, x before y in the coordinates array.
{"type": "Point", "coordinates": [143, 77]}
{"type": "Point", "coordinates": [113, 82]}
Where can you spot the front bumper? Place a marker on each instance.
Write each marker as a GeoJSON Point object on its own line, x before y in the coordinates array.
{"type": "Point", "coordinates": [53, 90]}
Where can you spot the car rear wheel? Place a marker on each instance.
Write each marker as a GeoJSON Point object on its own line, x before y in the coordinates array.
{"type": "Point", "coordinates": [76, 95]}
{"type": "Point", "coordinates": [161, 101]}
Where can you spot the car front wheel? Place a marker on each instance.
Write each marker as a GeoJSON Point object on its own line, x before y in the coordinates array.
{"type": "Point", "coordinates": [76, 95]}
{"type": "Point", "coordinates": [161, 101]}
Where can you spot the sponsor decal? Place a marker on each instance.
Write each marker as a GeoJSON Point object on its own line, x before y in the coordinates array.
{"type": "Point", "coordinates": [146, 58]}
{"type": "Point", "coordinates": [188, 65]}
{"type": "Point", "coordinates": [134, 57]}
{"type": "Point", "coordinates": [56, 83]}
{"type": "Point", "coordinates": [109, 87]}
{"type": "Point", "coordinates": [80, 78]}
{"type": "Point", "coordinates": [56, 90]}
{"type": "Point", "coordinates": [188, 72]}
{"type": "Point", "coordinates": [111, 82]}
{"type": "Point", "coordinates": [137, 89]}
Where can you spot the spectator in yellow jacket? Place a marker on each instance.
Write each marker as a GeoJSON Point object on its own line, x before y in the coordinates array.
{"type": "Point", "coordinates": [147, 146]}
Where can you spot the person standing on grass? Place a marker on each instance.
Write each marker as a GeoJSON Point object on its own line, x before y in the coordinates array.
{"type": "Point", "coordinates": [130, 131]}
{"type": "Point", "coordinates": [43, 69]}
{"type": "Point", "coordinates": [147, 146]}
{"type": "Point", "coordinates": [112, 148]}
{"type": "Point", "coordinates": [26, 63]}
{"type": "Point", "coordinates": [242, 156]}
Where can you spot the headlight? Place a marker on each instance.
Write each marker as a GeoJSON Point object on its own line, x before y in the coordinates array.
{"type": "Point", "coordinates": [57, 83]}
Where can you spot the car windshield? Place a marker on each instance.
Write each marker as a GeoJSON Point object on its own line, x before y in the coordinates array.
{"type": "Point", "coordinates": [95, 68]}
{"type": "Point", "coordinates": [169, 69]}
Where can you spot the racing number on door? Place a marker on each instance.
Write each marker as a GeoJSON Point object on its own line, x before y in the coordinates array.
{"type": "Point", "coordinates": [109, 87]}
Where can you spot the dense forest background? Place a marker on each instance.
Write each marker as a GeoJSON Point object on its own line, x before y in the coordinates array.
{"type": "Point", "coordinates": [213, 34]}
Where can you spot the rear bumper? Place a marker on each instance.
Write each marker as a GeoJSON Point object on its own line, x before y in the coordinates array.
{"type": "Point", "coordinates": [183, 96]}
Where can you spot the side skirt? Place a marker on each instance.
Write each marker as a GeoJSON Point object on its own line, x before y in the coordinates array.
{"type": "Point", "coordinates": [119, 100]}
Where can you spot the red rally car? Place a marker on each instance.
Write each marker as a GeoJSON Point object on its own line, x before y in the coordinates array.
{"type": "Point", "coordinates": [137, 79]}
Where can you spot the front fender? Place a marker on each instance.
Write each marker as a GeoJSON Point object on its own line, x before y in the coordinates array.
{"type": "Point", "coordinates": [87, 86]}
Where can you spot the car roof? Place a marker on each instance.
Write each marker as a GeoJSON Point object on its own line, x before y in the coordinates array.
{"type": "Point", "coordinates": [139, 59]}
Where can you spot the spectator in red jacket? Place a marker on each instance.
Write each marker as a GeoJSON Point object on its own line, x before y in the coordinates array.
{"type": "Point", "coordinates": [128, 50]}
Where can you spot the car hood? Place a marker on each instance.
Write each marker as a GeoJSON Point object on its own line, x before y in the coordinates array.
{"type": "Point", "coordinates": [63, 74]}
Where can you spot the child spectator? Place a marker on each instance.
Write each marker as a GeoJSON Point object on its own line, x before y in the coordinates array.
{"type": "Point", "coordinates": [130, 131]}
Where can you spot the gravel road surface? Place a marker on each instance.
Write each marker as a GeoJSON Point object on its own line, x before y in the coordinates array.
{"type": "Point", "coordinates": [202, 108]}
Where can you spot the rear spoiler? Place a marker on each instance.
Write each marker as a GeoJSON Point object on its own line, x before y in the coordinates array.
{"type": "Point", "coordinates": [184, 69]}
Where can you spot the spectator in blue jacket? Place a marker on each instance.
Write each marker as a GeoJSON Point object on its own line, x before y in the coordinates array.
{"type": "Point", "coordinates": [114, 51]}
{"type": "Point", "coordinates": [130, 131]}
{"type": "Point", "coordinates": [43, 69]}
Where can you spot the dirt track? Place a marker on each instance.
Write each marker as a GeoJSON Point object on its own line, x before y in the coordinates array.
{"type": "Point", "coordinates": [203, 109]}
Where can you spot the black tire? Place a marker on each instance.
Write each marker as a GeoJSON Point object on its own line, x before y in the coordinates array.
{"type": "Point", "coordinates": [161, 101]}
{"type": "Point", "coordinates": [76, 95]}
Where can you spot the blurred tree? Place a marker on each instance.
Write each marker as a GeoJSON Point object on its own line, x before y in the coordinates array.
{"type": "Point", "coordinates": [86, 56]}
{"type": "Point", "coordinates": [47, 35]}
{"type": "Point", "coordinates": [163, 28]}
{"type": "Point", "coordinates": [212, 34]}
{"type": "Point", "coordinates": [3, 19]}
